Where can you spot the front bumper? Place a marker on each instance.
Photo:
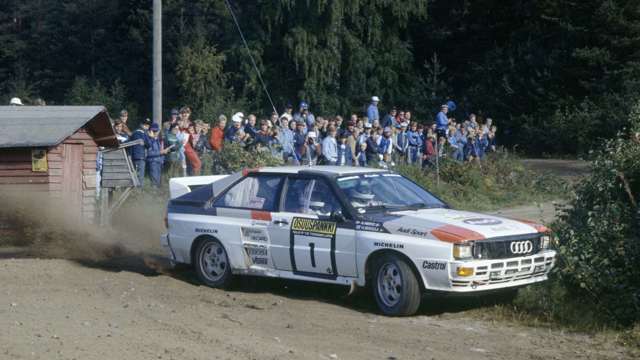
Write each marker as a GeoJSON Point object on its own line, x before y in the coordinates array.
{"type": "Point", "coordinates": [501, 273]}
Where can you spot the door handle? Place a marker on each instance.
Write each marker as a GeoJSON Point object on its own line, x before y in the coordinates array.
{"type": "Point", "coordinates": [281, 222]}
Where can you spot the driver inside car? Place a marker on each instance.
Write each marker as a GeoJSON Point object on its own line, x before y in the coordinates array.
{"type": "Point", "coordinates": [362, 196]}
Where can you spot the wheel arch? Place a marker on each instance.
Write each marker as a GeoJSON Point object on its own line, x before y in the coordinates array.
{"type": "Point", "coordinates": [196, 242]}
{"type": "Point", "coordinates": [368, 271]}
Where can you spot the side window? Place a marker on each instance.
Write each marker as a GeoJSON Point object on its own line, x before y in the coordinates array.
{"type": "Point", "coordinates": [254, 192]}
{"type": "Point", "coordinates": [310, 196]}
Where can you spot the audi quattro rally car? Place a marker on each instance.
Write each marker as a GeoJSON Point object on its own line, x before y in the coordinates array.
{"type": "Point", "coordinates": [351, 226]}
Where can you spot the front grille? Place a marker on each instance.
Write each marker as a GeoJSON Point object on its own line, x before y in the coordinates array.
{"type": "Point", "coordinates": [500, 272]}
{"type": "Point", "coordinates": [501, 248]}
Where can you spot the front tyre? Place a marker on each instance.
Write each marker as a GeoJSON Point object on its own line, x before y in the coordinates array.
{"type": "Point", "coordinates": [212, 264]}
{"type": "Point", "coordinates": [395, 288]}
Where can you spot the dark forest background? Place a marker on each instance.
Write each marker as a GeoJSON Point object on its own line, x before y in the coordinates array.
{"type": "Point", "coordinates": [556, 76]}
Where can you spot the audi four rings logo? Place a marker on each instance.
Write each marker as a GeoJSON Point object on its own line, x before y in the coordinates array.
{"type": "Point", "coordinates": [521, 247]}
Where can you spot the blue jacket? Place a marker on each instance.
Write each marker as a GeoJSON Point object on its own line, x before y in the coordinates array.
{"type": "Point", "coordinates": [252, 131]}
{"type": "Point", "coordinates": [402, 141]}
{"type": "Point", "coordinates": [372, 113]}
{"type": "Point", "coordinates": [385, 143]}
{"type": "Point", "coordinates": [286, 139]}
{"type": "Point", "coordinates": [138, 152]}
{"type": "Point", "coordinates": [442, 121]}
{"type": "Point", "coordinates": [330, 149]}
{"type": "Point", "coordinates": [154, 150]}
{"type": "Point", "coordinates": [472, 148]}
{"type": "Point", "coordinates": [414, 138]}
{"type": "Point", "coordinates": [362, 159]}
{"type": "Point", "coordinates": [348, 156]}
{"type": "Point", "coordinates": [298, 143]}
{"type": "Point", "coordinates": [230, 133]}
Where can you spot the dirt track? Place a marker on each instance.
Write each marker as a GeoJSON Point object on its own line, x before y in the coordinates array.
{"type": "Point", "coordinates": [60, 309]}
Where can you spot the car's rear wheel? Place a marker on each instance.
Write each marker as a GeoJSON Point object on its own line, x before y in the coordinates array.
{"type": "Point", "coordinates": [212, 264]}
{"type": "Point", "coordinates": [395, 286]}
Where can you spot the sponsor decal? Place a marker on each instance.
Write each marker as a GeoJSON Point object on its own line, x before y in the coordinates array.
{"type": "Point", "coordinates": [259, 254]}
{"type": "Point", "coordinates": [388, 245]}
{"type": "Point", "coordinates": [373, 226]}
{"type": "Point", "coordinates": [304, 226]}
{"type": "Point", "coordinates": [434, 265]}
{"type": "Point", "coordinates": [255, 235]}
{"type": "Point", "coordinates": [482, 221]}
{"type": "Point", "coordinates": [413, 232]}
{"type": "Point", "coordinates": [206, 231]}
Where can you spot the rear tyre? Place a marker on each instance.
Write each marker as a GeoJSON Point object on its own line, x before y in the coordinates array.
{"type": "Point", "coordinates": [395, 286]}
{"type": "Point", "coordinates": [212, 264]}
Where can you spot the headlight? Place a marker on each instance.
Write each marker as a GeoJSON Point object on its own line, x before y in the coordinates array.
{"type": "Point", "coordinates": [545, 242]}
{"type": "Point", "coordinates": [462, 251]}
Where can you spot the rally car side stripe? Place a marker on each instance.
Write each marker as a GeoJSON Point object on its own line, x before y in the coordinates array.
{"type": "Point", "coordinates": [454, 234]}
{"type": "Point", "coordinates": [260, 215]}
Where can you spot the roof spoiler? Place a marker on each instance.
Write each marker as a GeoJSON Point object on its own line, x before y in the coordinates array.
{"type": "Point", "coordinates": [184, 185]}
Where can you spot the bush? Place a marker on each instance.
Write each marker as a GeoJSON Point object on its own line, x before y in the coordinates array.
{"type": "Point", "coordinates": [499, 180]}
{"type": "Point", "coordinates": [599, 236]}
{"type": "Point", "coordinates": [235, 157]}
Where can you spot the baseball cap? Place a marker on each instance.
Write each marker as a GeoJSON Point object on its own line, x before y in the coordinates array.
{"type": "Point", "coordinates": [175, 111]}
{"type": "Point", "coordinates": [237, 117]}
{"type": "Point", "coordinates": [304, 105]}
{"type": "Point", "coordinates": [154, 127]}
{"type": "Point", "coordinates": [367, 125]}
{"type": "Point", "coordinates": [147, 121]}
{"type": "Point", "coordinates": [375, 99]}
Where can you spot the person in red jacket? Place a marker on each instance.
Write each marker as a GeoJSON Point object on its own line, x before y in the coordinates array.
{"type": "Point", "coordinates": [191, 154]}
{"type": "Point", "coordinates": [217, 134]}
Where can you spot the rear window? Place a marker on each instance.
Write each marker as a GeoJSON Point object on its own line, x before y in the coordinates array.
{"type": "Point", "coordinates": [201, 194]}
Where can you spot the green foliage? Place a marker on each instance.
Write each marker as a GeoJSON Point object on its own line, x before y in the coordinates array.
{"type": "Point", "coordinates": [599, 234]}
{"type": "Point", "coordinates": [201, 79]}
{"type": "Point", "coordinates": [85, 92]}
{"type": "Point", "coordinates": [235, 157]}
{"type": "Point", "coordinates": [499, 181]}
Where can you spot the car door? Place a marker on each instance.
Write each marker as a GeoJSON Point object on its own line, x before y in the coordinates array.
{"type": "Point", "coordinates": [306, 236]}
{"type": "Point", "coordinates": [242, 216]}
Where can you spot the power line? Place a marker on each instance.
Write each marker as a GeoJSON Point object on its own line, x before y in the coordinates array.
{"type": "Point", "coordinates": [255, 66]}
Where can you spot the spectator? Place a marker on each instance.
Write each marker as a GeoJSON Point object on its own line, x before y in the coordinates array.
{"type": "Point", "coordinates": [386, 146]}
{"type": "Point", "coordinates": [471, 149]}
{"type": "Point", "coordinates": [372, 150]}
{"type": "Point", "coordinates": [311, 150]}
{"type": "Point", "coordinates": [155, 155]}
{"type": "Point", "coordinates": [175, 157]}
{"type": "Point", "coordinates": [263, 137]}
{"type": "Point", "coordinates": [429, 152]}
{"type": "Point", "coordinates": [288, 112]}
{"type": "Point", "coordinates": [230, 133]}
{"type": "Point", "coordinates": [285, 137]}
{"type": "Point", "coordinates": [275, 145]}
{"type": "Point", "coordinates": [390, 119]}
{"type": "Point", "coordinates": [442, 122]}
{"type": "Point", "coordinates": [304, 114]}
{"type": "Point", "coordinates": [361, 156]}
{"type": "Point", "coordinates": [202, 145]}
{"type": "Point", "coordinates": [250, 127]}
{"type": "Point", "coordinates": [120, 134]}
{"type": "Point", "coordinates": [138, 152]}
{"type": "Point", "coordinates": [174, 116]}
{"type": "Point", "coordinates": [345, 154]}
{"type": "Point", "coordinates": [456, 147]}
{"type": "Point", "coordinates": [414, 144]}
{"type": "Point", "coordinates": [491, 138]}
{"type": "Point", "coordinates": [194, 165]}
{"type": "Point", "coordinates": [217, 134]}
{"type": "Point", "coordinates": [473, 124]}
{"type": "Point", "coordinates": [299, 140]}
{"type": "Point", "coordinates": [352, 139]}
{"type": "Point", "coordinates": [372, 110]}
{"type": "Point", "coordinates": [401, 144]}
{"type": "Point", "coordinates": [124, 117]}
{"type": "Point", "coordinates": [407, 117]}
{"type": "Point", "coordinates": [185, 116]}
{"type": "Point", "coordinates": [330, 147]}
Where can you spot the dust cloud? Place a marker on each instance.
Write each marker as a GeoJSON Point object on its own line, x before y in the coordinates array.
{"type": "Point", "coordinates": [37, 225]}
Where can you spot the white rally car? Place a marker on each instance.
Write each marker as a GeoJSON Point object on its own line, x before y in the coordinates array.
{"type": "Point", "coordinates": [351, 226]}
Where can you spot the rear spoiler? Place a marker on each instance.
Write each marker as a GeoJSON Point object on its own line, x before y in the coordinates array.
{"type": "Point", "coordinates": [184, 185]}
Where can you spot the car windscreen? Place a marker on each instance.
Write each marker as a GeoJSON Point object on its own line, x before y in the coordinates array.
{"type": "Point", "coordinates": [387, 191]}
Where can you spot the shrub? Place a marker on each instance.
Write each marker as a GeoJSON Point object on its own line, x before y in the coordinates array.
{"type": "Point", "coordinates": [499, 180]}
{"type": "Point", "coordinates": [235, 157]}
{"type": "Point", "coordinates": [599, 237]}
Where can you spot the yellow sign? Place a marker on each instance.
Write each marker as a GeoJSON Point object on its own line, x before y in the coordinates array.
{"type": "Point", "coordinates": [39, 160]}
{"type": "Point", "coordinates": [313, 226]}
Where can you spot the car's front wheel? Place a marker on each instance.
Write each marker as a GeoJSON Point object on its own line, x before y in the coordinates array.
{"type": "Point", "coordinates": [212, 264]}
{"type": "Point", "coordinates": [395, 286]}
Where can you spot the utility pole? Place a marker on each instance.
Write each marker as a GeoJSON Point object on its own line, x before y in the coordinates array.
{"type": "Point", "coordinates": [157, 61]}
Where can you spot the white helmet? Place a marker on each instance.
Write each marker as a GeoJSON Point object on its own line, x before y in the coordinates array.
{"type": "Point", "coordinates": [237, 117]}
{"type": "Point", "coordinates": [16, 101]}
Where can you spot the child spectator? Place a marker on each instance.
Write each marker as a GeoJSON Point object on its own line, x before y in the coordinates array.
{"type": "Point", "coordinates": [345, 155]}
{"type": "Point", "coordinates": [155, 155]}
{"type": "Point", "coordinates": [361, 156]}
{"type": "Point", "coordinates": [217, 134]}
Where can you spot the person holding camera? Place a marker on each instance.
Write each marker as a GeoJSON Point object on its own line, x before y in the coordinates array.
{"type": "Point", "coordinates": [311, 149]}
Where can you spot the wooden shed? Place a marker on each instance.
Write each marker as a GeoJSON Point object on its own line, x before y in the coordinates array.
{"type": "Point", "coordinates": [53, 149]}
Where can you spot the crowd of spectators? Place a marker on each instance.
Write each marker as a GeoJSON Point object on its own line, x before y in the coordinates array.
{"type": "Point", "coordinates": [300, 138]}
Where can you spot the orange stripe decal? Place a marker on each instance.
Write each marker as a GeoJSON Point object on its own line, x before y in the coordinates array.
{"type": "Point", "coordinates": [455, 234]}
{"type": "Point", "coordinates": [539, 227]}
{"type": "Point", "coordinates": [260, 215]}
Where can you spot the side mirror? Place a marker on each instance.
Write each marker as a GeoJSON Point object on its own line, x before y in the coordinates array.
{"type": "Point", "coordinates": [337, 216]}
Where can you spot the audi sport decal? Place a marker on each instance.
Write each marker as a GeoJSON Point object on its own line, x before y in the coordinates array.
{"type": "Point", "coordinates": [413, 232]}
{"type": "Point", "coordinates": [454, 234]}
{"type": "Point", "coordinates": [482, 221]}
{"type": "Point", "coordinates": [521, 247]}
